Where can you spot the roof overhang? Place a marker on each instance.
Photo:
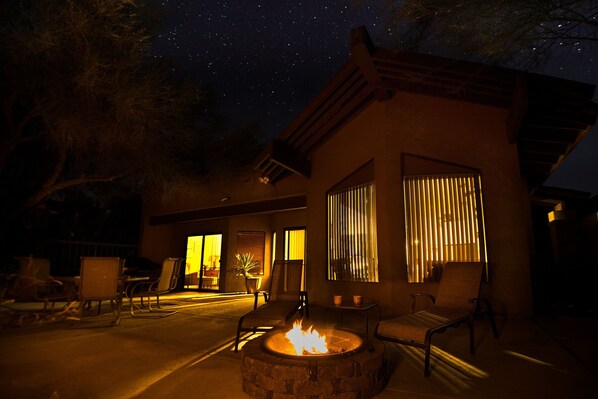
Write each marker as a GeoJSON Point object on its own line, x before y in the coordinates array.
{"type": "Point", "coordinates": [547, 116]}
{"type": "Point", "coordinates": [248, 208]}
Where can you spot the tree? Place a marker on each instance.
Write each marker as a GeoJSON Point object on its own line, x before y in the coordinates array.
{"type": "Point", "coordinates": [82, 103]}
{"type": "Point", "coordinates": [500, 31]}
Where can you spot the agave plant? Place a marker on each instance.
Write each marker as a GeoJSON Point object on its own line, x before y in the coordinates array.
{"type": "Point", "coordinates": [245, 264]}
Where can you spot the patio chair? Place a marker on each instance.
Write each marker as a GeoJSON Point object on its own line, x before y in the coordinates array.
{"type": "Point", "coordinates": [100, 280]}
{"type": "Point", "coordinates": [283, 299]}
{"type": "Point", "coordinates": [167, 282]}
{"type": "Point", "coordinates": [456, 301]}
{"type": "Point", "coordinates": [34, 283]}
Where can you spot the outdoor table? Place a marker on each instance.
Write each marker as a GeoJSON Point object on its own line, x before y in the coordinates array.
{"type": "Point", "coordinates": [72, 282]}
{"type": "Point", "coordinates": [349, 307]}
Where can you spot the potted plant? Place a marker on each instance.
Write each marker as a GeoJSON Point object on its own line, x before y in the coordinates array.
{"type": "Point", "coordinates": [246, 263]}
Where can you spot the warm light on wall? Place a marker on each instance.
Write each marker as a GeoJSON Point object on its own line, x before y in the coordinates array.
{"type": "Point", "coordinates": [559, 213]}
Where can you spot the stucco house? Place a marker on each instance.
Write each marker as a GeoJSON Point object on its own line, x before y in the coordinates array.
{"type": "Point", "coordinates": [403, 162]}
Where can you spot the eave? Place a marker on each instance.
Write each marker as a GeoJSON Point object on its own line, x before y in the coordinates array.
{"type": "Point", "coordinates": [547, 116]}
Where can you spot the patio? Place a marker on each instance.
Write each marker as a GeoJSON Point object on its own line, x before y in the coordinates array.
{"type": "Point", "coordinates": [189, 355]}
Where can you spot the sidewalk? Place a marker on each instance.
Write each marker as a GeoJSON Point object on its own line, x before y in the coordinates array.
{"type": "Point", "coordinates": [189, 355]}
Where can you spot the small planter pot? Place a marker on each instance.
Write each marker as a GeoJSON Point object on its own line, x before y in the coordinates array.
{"type": "Point", "coordinates": [252, 284]}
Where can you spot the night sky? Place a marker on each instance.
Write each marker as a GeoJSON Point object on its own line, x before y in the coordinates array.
{"type": "Point", "coordinates": [267, 59]}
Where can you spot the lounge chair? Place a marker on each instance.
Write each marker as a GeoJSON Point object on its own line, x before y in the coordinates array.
{"type": "Point", "coordinates": [283, 299]}
{"type": "Point", "coordinates": [34, 283]}
{"type": "Point", "coordinates": [457, 301]}
{"type": "Point", "coordinates": [100, 280]}
{"type": "Point", "coordinates": [167, 282]}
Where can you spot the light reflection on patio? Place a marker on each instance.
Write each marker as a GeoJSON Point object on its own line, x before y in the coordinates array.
{"type": "Point", "coordinates": [452, 372]}
{"type": "Point", "coordinates": [528, 358]}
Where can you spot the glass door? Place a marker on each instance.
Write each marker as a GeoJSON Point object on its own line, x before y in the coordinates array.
{"type": "Point", "coordinates": [294, 247]}
{"type": "Point", "coordinates": [202, 268]}
{"type": "Point", "coordinates": [294, 243]}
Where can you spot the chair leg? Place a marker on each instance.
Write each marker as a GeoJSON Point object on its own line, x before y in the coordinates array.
{"type": "Point", "coordinates": [117, 312]}
{"type": "Point", "coordinates": [427, 348]}
{"type": "Point", "coordinates": [491, 317]}
{"type": "Point", "coordinates": [470, 322]}
{"type": "Point", "coordinates": [306, 304]}
{"type": "Point", "coordinates": [157, 301]}
{"type": "Point", "coordinates": [131, 309]}
{"type": "Point", "coordinates": [238, 334]}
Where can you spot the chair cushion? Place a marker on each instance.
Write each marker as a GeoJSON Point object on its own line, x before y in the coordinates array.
{"type": "Point", "coordinates": [414, 327]}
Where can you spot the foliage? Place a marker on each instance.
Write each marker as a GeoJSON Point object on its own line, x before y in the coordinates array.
{"type": "Point", "coordinates": [244, 265]}
{"type": "Point", "coordinates": [82, 103]}
{"type": "Point", "coordinates": [515, 31]}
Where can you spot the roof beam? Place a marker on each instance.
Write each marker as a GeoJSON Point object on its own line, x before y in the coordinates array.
{"type": "Point", "coordinates": [362, 48]}
{"type": "Point", "coordinates": [249, 208]}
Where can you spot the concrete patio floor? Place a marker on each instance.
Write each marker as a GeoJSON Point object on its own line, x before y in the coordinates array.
{"type": "Point", "coordinates": [189, 355]}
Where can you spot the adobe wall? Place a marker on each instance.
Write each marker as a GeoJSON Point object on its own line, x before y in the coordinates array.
{"type": "Point", "coordinates": [162, 241]}
{"type": "Point", "coordinates": [447, 130]}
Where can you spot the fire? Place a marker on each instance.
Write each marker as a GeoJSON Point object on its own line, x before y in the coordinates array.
{"type": "Point", "coordinates": [309, 341]}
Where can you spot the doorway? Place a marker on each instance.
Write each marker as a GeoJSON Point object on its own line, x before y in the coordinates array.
{"type": "Point", "coordinates": [202, 268]}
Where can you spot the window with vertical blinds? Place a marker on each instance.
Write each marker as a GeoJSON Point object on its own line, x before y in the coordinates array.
{"type": "Point", "coordinates": [443, 222]}
{"type": "Point", "coordinates": [352, 244]}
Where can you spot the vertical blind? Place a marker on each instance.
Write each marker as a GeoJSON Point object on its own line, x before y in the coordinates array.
{"type": "Point", "coordinates": [443, 222]}
{"type": "Point", "coordinates": [352, 243]}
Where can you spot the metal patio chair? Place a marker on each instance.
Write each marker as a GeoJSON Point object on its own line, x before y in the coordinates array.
{"type": "Point", "coordinates": [34, 283]}
{"type": "Point", "coordinates": [167, 282]}
{"type": "Point", "coordinates": [457, 301]}
{"type": "Point", "coordinates": [100, 280]}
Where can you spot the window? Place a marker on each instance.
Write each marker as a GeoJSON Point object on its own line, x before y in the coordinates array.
{"type": "Point", "coordinates": [352, 245]}
{"type": "Point", "coordinates": [443, 222]}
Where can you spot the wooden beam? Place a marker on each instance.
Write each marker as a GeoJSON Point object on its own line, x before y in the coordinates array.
{"type": "Point", "coordinates": [518, 109]}
{"type": "Point", "coordinates": [362, 48]}
{"type": "Point", "coordinates": [284, 156]}
{"type": "Point", "coordinates": [249, 208]}
{"type": "Point", "coordinates": [328, 105]}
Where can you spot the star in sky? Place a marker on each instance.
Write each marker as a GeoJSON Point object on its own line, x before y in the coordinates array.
{"type": "Point", "coordinates": [267, 58]}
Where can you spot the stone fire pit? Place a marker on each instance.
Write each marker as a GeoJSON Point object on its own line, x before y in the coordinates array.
{"type": "Point", "coordinates": [353, 370]}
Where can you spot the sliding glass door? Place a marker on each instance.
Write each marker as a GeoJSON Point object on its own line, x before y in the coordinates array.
{"type": "Point", "coordinates": [202, 268]}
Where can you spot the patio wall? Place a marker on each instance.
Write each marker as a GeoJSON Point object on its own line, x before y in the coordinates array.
{"type": "Point", "coordinates": [450, 131]}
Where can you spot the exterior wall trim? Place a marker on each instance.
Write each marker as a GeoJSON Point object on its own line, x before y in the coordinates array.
{"type": "Point", "coordinates": [249, 208]}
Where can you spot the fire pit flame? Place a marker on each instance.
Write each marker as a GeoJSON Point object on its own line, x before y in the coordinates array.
{"type": "Point", "coordinates": [306, 341]}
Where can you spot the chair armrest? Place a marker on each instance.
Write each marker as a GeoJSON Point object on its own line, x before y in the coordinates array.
{"type": "Point", "coordinates": [413, 297]}
{"type": "Point", "coordinates": [138, 287]}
